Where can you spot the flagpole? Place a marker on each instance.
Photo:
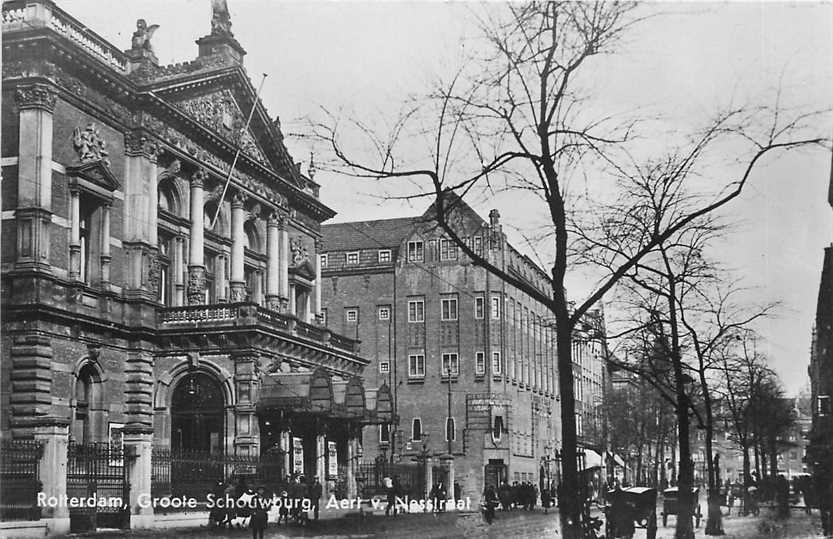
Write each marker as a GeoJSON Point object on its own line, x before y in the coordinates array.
{"type": "Point", "coordinates": [237, 154]}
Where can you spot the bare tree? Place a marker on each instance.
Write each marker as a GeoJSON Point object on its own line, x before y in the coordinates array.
{"type": "Point", "coordinates": [515, 119]}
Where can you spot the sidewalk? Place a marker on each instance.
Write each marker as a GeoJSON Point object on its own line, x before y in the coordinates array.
{"type": "Point", "coordinates": [764, 526]}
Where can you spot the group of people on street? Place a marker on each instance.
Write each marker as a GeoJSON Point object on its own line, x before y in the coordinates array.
{"type": "Point", "coordinates": [256, 503]}
{"type": "Point", "coordinates": [518, 496]}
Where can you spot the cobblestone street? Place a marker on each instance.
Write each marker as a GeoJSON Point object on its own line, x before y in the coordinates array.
{"type": "Point", "coordinates": [514, 524]}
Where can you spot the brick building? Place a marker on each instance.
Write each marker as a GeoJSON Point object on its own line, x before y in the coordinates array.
{"type": "Point", "coordinates": [820, 447]}
{"type": "Point", "coordinates": [129, 321]}
{"type": "Point", "coordinates": [422, 311]}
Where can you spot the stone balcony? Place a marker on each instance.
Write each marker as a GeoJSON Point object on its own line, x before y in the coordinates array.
{"type": "Point", "coordinates": [227, 325]}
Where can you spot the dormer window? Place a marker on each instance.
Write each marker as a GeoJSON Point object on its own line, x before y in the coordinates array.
{"type": "Point", "coordinates": [416, 251]}
{"type": "Point", "coordinates": [353, 258]}
{"type": "Point", "coordinates": [384, 256]}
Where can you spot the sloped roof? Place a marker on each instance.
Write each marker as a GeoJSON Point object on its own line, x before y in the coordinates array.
{"type": "Point", "coordinates": [378, 234]}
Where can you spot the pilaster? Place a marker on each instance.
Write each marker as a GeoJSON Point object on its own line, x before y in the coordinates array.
{"type": "Point", "coordinates": [36, 104]}
{"type": "Point", "coordinates": [53, 433]}
{"type": "Point", "coordinates": [246, 434]}
{"type": "Point", "coordinates": [138, 446]}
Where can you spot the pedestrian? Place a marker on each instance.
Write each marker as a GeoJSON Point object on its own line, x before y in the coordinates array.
{"type": "Point", "coordinates": [283, 510]}
{"type": "Point", "coordinates": [505, 495]}
{"type": "Point", "coordinates": [387, 482]}
{"type": "Point", "coordinates": [489, 504]}
{"type": "Point", "coordinates": [316, 491]}
{"type": "Point", "coordinates": [457, 492]}
{"type": "Point", "coordinates": [259, 505]}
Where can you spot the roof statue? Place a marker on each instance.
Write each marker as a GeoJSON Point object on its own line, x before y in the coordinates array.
{"type": "Point", "coordinates": [143, 35]}
{"type": "Point", "coordinates": [220, 18]}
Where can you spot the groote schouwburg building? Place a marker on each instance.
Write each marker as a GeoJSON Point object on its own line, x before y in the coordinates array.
{"type": "Point", "coordinates": [426, 315]}
{"type": "Point", "coordinates": [127, 317]}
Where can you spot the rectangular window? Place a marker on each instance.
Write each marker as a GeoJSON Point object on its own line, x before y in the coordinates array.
{"type": "Point", "coordinates": [823, 405]}
{"type": "Point", "coordinates": [478, 245]}
{"type": "Point", "coordinates": [384, 256]}
{"type": "Point", "coordinates": [415, 251]}
{"type": "Point", "coordinates": [448, 308]}
{"type": "Point", "coordinates": [353, 258]}
{"type": "Point", "coordinates": [416, 430]}
{"type": "Point", "coordinates": [324, 260]}
{"type": "Point", "coordinates": [448, 250]}
{"type": "Point", "coordinates": [496, 363]}
{"type": "Point", "coordinates": [384, 433]}
{"type": "Point", "coordinates": [451, 361]}
{"type": "Point", "coordinates": [384, 312]}
{"type": "Point", "coordinates": [384, 366]}
{"type": "Point", "coordinates": [480, 363]}
{"type": "Point", "coordinates": [479, 307]}
{"type": "Point", "coordinates": [324, 317]}
{"type": "Point", "coordinates": [351, 315]}
{"type": "Point", "coordinates": [416, 310]}
{"type": "Point", "coordinates": [495, 307]}
{"type": "Point", "coordinates": [416, 366]}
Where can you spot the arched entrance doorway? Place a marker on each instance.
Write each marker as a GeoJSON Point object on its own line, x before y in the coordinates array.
{"type": "Point", "coordinates": [197, 415]}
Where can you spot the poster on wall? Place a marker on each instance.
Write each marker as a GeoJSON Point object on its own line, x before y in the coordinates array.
{"type": "Point", "coordinates": [116, 438]}
{"type": "Point", "coordinates": [297, 455]}
{"type": "Point", "coordinates": [332, 459]}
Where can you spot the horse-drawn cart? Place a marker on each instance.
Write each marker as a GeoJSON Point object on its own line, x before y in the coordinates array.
{"type": "Point", "coordinates": [671, 504]}
{"type": "Point", "coordinates": [630, 508]}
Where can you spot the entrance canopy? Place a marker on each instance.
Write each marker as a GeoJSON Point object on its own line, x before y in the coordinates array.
{"type": "Point", "coordinates": [316, 392]}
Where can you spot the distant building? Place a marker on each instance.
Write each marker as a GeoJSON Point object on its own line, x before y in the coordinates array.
{"type": "Point", "coordinates": [423, 312]}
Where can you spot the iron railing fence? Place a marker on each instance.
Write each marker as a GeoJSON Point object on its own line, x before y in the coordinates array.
{"type": "Point", "coordinates": [19, 479]}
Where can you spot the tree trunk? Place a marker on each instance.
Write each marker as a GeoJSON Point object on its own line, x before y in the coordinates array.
{"type": "Point", "coordinates": [684, 528]}
{"type": "Point", "coordinates": [746, 477]}
{"type": "Point", "coordinates": [569, 498]}
{"type": "Point", "coordinates": [714, 518]}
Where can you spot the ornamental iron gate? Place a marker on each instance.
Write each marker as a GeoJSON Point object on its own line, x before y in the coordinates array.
{"type": "Point", "coordinates": [97, 481]}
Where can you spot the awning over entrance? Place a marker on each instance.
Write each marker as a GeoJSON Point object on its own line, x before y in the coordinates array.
{"type": "Point", "coordinates": [592, 459]}
{"type": "Point", "coordinates": [318, 393]}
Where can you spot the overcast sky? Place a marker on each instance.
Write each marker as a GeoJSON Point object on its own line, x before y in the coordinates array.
{"type": "Point", "coordinates": [366, 58]}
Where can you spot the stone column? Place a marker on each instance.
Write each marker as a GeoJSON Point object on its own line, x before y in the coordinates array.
{"type": "Point", "coordinates": [75, 234]}
{"type": "Point", "coordinates": [321, 458]}
{"type": "Point", "coordinates": [105, 246]}
{"type": "Point", "coordinates": [53, 433]}
{"type": "Point", "coordinates": [352, 455]}
{"type": "Point", "coordinates": [273, 270]}
{"type": "Point", "coordinates": [138, 445]}
{"type": "Point", "coordinates": [284, 254]}
{"type": "Point", "coordinates": [238, 278]}
{"type": "Point", "coordinates": [36, 104]}
{"type": "Point", "coordinates": [196, 262]}
{"type": "Point", "coordinates": [286, 447]}
{"type": "Point", "coordinates": [179, 270]}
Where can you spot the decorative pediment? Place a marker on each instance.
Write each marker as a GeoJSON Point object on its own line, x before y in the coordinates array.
{"type": "Point", "coordinates": [95, 172]}
{"type": "Point", "coordinates": [221, 112]}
